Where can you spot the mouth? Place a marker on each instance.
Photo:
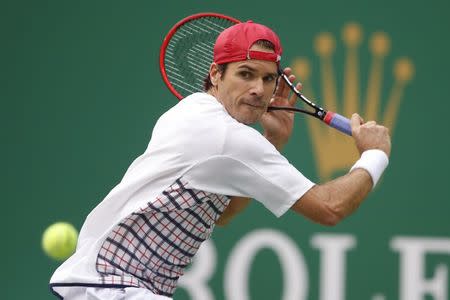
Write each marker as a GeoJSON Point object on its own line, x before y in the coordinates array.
{"type": "Point", "coordinates": [258, 105]}
{"type": "Point", "coordinates": [254, 106]}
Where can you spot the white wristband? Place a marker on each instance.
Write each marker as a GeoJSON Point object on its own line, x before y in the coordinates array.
{"type": "Point", "coordinates": [373, 161]}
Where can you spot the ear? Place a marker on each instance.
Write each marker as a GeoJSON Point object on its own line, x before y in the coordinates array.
{"type": "Point", "coordinates": [214, 74]}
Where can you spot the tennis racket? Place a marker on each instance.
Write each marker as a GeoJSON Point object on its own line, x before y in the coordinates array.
{"type": "Point", "coordinates": [187, 53]}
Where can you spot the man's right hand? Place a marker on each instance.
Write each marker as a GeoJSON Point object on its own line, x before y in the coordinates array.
{"type": "Point", "coordinates": [370, 135]}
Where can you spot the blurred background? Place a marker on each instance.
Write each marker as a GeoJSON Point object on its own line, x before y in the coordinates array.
{"type": "Point", "coordinates": [81, 92]}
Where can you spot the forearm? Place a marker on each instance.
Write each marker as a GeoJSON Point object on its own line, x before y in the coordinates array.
{"type": "Point", "coordinates": [346, 193]}
{"type": "Point", "coordinates": [331, 202]}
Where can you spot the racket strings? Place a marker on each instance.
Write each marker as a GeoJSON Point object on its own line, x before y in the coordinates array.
{"type": "Point", "coordinates": [189, 53]}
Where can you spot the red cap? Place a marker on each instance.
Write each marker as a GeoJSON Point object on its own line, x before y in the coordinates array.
{"type": "Point", "coordinates": [234, 43]}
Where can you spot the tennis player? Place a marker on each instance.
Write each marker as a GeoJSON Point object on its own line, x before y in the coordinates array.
{"type": "Point", "coordinates": [201, 167]}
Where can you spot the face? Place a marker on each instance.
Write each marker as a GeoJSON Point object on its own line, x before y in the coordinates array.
{"type": "Point", "coordinates": [246, 87]}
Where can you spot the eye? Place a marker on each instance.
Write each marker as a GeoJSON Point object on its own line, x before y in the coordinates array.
{"type": "Point", "coordinates": [245, 74]}
{"type": "Point", "coordinates": [269, 78]}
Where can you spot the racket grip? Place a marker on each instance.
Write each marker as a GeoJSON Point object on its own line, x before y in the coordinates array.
{"type": "Point", "coordinates": [338, 122]}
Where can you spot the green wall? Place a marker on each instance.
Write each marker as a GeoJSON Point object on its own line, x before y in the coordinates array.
{"type": "Point", "coordinates": [81, 91]}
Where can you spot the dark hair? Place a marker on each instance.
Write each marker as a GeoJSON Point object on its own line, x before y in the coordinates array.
{"type": "Point", "coordinates": [207, 84]}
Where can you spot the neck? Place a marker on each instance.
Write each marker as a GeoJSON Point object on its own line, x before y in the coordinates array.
{"type": "Point", "coordinates": [213, 92]}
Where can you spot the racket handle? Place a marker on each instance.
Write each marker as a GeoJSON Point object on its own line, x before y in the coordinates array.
{"type": "Point", "coordinates": [338, 122]}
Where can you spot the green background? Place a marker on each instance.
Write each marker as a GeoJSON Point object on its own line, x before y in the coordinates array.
{"type": "Point", "coordinates": [81, 92]}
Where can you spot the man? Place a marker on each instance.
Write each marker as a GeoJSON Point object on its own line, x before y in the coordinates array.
{"type": "Point", "coordinates": [201, 167]}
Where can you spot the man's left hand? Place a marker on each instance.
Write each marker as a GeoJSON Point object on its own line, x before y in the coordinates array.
{"type": "Point", "coordinates": [278, 125]}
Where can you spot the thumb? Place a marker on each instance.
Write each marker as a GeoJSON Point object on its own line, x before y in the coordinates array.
{"type": "Point", "coordinates": [356, 121]}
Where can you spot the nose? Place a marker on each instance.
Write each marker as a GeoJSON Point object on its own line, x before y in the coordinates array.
{"type": "Point", "coordinates": [257, 88]}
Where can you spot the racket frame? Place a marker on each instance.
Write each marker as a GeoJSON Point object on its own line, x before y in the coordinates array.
{"type": "Point", "coordinates": [318, 112]}
{"type": "Point", "coordinates": [162, 52]}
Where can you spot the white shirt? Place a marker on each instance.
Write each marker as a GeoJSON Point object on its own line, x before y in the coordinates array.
{"type": "Point", "coordinates": [151, 224]}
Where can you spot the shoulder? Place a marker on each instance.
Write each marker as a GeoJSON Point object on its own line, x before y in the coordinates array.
{"type": "Point", "coordinates": [194, 126]}
{"type": "Point", "coordinates": [198, 106]}
{"type": "Point", "coordinates": [245, 141]}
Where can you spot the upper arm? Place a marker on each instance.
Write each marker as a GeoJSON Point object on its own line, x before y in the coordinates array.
{"type": "Point", "coordinates": [236, 205]}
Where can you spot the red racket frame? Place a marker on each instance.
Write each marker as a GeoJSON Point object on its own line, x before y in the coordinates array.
{"type": "Point", "coordinates": [166, 41]}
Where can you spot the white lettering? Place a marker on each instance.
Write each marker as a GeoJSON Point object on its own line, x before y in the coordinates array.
{"type": "Point", "coordinates": [332, 263]}
{"type": "Point", "coordinates": [413, 285]}
{"type": "Point", "coordinates": [295, 275]}
{"type": "Point", "coordinates": [195, 279]}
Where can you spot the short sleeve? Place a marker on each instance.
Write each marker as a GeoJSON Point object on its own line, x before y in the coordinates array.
{"type": "Point", "coordinates": [250, 166]}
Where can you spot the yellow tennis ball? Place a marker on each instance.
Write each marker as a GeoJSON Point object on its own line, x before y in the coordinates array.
{"type": "Point", "coordinates": [60, 240]}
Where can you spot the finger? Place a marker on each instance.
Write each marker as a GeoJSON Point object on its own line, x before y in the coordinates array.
{"type": "Point", "coordinates": [287, 71]}
{"type": "Point", "coordinates": [283, 90]}
{"type": "Point", "coordinates": [355, 121]}
{"type": "Point", "coordinates": [362, 119]}
{"type": "Point", "coordinates": [287, 87]}
{"type": "Point", "coordinates": [291, 78]}
{"type": "Point", "coordinates": [370, 123]}
{"type": "Point", "coordinates": [293, 97]}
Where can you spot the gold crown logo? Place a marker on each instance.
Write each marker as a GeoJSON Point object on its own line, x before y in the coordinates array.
{"type": "Point", "coordinates": [334, 152]}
